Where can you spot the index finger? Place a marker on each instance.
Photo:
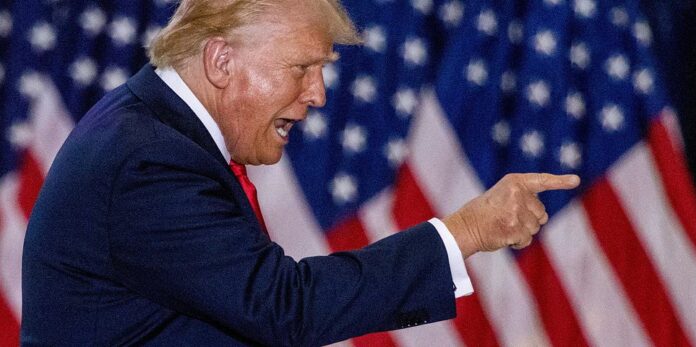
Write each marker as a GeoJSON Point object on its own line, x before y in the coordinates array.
{"type": "Point", "coordinates": [540, 182]}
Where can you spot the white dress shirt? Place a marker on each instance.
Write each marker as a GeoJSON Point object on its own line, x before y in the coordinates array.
{"type": "Point", "coordinates": [171, 78]}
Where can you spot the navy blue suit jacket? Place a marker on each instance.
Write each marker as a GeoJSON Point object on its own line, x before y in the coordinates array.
{"type": "Point", "coordinates": [142, 235]}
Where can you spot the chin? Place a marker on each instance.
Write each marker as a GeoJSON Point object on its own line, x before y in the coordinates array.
{"type": "Point", "coordinates": [271, 159]}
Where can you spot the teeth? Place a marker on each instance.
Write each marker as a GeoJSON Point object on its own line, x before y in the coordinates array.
{"type": "Point", "coordinates": [282, 132]}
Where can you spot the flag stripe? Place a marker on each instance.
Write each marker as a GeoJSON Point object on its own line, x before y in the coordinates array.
{"type": "Point", "coordinates": [556, 312]}
{"type": "Point", "coordinates": [447, 180]}
{"type": "Point", "coordinates": [471, 321]}
{"type": "Point", "coordinates": [348, 235]}
{"type": "Point", "coordinates": [278, 192]}
{"type": "Point", "coordinates": [375, 217]}
{"type": "Point", "coordinates": [14, 224]}
{"type": "Point", "coordinates": [591, 284]}
{"type": "Point", "coordinates": [675, 175]}
{"type": "Point", "coordinates": [9, 334]}
{"type": "Point", "coordinates": [410, 205]}
{"type": "Point", "coordinates": [617, 237]}
{"type": "Point", "coordinates": [641, 192]}
{"type": "Point", "coordinates": [30, 181]}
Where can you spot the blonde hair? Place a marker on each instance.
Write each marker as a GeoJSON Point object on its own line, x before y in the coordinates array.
{"type": "Point", "coordinates": [197, 20]}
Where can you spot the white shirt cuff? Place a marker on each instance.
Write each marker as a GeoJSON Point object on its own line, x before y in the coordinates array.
{"type": "Point", "coordinates": [460, 277]}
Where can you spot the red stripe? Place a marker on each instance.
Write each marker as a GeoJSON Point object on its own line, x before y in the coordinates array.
{"type": "Point", "coordinates": [373, 340]}
{"type": "Point", "coordinates": [675, 178]}
{"type": "Point", "coordinates": [410, 204]}
{"type": "Point", "coordinates": [633, 267]}
{"type": "Point", "coordinates": [412, 207]}
{"type": "Point", "coordinates": [30, 182]}
{"type": "Point", "coordinates": [9, 327]}
{"type": "Point", "coordinates": [556, 311]}
{"type": "Point", "coordinates": [349, 235]}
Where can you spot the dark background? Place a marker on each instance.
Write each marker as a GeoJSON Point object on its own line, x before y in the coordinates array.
{"type": "Point", "coordinates": [674, 30]}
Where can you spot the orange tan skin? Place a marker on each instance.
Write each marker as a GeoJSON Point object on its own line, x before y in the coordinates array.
{"type": "Point", "coordinates": [259, 85]}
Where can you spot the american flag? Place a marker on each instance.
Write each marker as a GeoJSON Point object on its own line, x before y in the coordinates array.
{"type": "Point", "coordinates": [443, 99]}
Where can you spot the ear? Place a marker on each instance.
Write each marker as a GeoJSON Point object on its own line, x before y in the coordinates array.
{"type": "Point", "coordinates": [217, 55]}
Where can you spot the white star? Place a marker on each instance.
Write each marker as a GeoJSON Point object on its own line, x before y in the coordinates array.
{"type": "Point", "coordinates": [5, 24]}
{"type": "Point", "coordinates": [545, 42]}
{"type": "Point", "coordinates": [643, 33]}
{"type": "Point", "coordinates": [617, 66]}
{"type": "Point", "coordinates": [570, 156]}
{"type": "Point", "coordinates": [553, 2]}
{"type": "Point", "coordinates": [612, 118]}
{"type": "Point", "coordinates": [508, 82]}
{"type": "Point", "coordinates": [585, 8]}
{"type": "Point", "coordinates": [575, 105]}
{"type": "Point", "coordinates": [515, 31]}
{"type": "Point", "coordinates": [344, 189]}
{"type": "Point", "coordinates": [83, 71]}
{"type": "Point", "coordinates": [113, 77]}
{"type": "Point", "coordinates": [2, 73]}
{"type": "Point", "coordinates": [93, 21]}
{"type": "Point", "coordinates": [405, 102]}
{"type": "Point", "coordinates": [414, 52]}
{"type": "Point", "coordinates": [452, 13]}
{"type": "Point", "coordinates": [487, 23]}
{"type": "Point", "coordinates": [424, 6]}
{"type": "Point", "coordinates": [501, 133]}
{"type": "Point", "coordinates": [539, 93]}
{"type": "Point", "coordinates": [42, 37]}
{"type": "Point", "coordinates": [477, 72]}
{"type": "Point", "coordinates": [364, 89]}
{"type": "Point", "coordinates": [354, 139]}
{"type": "Point", "coordinates": [150, 34]}
{"type": "Point", "coordinates": [20, 135]}
{"type": "Point", "coordinates": [375, 38]}
{"type": "Point", "coordinates": [532, 144]}
{"type": "Point", "coordinates": [30, 84]}
{"type": "Point", "coordinates": [122, 30]}
{"type": "Point", "coordinates": [619, 16]}
{"type": "Point", "coordinates": [396, 152]}
{"type": "Point", "coordinates": [314, 127]}
{"type": "Point", "coordinates": [643, 81]}
{"type": "Point", "coordinates": [331, 77]}
{"type": "Point", "coordinates": [580, 55]}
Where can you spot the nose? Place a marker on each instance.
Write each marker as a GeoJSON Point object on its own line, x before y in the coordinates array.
{"type": "Point", "coordinates": [315, 92]}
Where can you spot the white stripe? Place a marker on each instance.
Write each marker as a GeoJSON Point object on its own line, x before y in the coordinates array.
{"type": "Point", "coordinates": [49, 123]}
{"type": "Point", "coordinates": [13, 224]}
{"type": "Point", "coordinates": [448, 180]}
{"type": "Point", "coordinates": [438, 161]}
{"type": "Point", "coordinates": [641, 192]}
{"type": "Point", "coordinates": [376, 217]}
{"type": "Point", "coordinates": [602, 310]}
{"type": "Point", "coordinates": [288, 217]}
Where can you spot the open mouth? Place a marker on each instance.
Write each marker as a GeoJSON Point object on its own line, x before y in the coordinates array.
{"type": "Point", "coordinates": [283, 126]}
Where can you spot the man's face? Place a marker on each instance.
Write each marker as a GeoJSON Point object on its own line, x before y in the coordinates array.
{"type": "Point", "coordinates": [276, 76]}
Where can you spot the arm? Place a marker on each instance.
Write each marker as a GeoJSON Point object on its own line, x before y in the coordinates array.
{"type": "Point", "coordinates": [178, 238]}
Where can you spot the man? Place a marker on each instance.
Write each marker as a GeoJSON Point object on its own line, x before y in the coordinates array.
{"type": "Point", "coordinates": [143, 234]}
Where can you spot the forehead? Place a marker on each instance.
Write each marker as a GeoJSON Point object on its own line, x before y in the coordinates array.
{"type": "Point", "coordinates": [292, 34]}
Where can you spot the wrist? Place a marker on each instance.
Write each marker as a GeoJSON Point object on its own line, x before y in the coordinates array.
{"type": "Point", "coordinates": [460, 229]}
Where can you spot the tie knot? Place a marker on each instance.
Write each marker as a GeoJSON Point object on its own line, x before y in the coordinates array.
{"type": "Point", "coordinates": [238, 169]}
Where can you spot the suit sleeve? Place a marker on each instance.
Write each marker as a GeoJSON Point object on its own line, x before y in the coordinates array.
{"type": "Point", "coordinates": [178, 237]}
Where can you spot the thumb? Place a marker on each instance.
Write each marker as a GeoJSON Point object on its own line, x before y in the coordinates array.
{"type": "Point", "coordinates": [540, 182]}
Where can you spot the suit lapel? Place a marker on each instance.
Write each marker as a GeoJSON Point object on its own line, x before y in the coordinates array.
{"type": "Point", "coordinates": [171, 110]}
{"type": "Point", "coordinates": [174, 112]}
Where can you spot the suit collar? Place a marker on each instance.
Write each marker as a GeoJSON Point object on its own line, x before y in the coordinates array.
{"type": "Point", "coordinates": [171, 109]}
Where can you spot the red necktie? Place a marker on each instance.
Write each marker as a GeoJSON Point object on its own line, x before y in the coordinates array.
{"type": "Point", "coordinates": [239, 170]}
